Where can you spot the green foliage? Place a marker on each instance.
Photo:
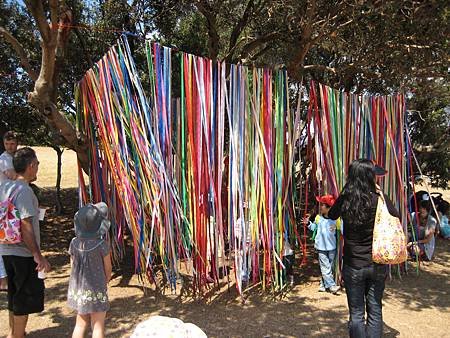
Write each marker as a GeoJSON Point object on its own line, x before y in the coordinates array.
{"type": "Point", "coordinates": [377, 47]}
{"type": "Point", "coordinates": [430, 129]}
{"type": "Point", "coordinates": [14, 83]}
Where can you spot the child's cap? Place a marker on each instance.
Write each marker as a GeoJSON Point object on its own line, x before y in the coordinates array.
{"type": "Point", "coordinates": [91, 221]}
{"type": "Point", "coordinates": [326, 199]}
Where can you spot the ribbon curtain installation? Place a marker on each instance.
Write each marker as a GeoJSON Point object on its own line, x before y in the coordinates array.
{"type": "Point", "coordinates": [203, 182]}
{"type": "Point", "coordinates": [343, 127]}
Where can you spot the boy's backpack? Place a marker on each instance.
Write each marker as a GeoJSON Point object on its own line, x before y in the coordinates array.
{"type": "Point", "coordinates": [10, 230]}
{"type": "Point", "coordinates": [389, 240]}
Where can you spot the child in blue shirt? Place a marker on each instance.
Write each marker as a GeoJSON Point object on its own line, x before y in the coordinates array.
{"type": "Point", "coordinates": [325, 243]}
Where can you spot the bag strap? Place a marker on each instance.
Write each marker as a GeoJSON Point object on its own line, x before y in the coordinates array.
{"type": "Point", "coordinates": [381, 198]}
{"type": "Point", "coordinates": [380, 194]}
{"type": "Point", "coordinates": [15, 192]}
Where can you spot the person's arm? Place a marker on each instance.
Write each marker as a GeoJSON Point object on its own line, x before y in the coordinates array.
{"type": "Point", "coordinates": [427, 238]}
{"type": "Point", "coordinates": [335, 211]}
{"type": "Point", "coordinates": [312, 226]}
{"type": "Point", "coordinates": [30, 241]}
{"type": "Point", "coordinates": [108, 267]}
{"type": "Point", "coordinates": [308, 219]}
{"type": "Point", "coordinates": [429, 234]}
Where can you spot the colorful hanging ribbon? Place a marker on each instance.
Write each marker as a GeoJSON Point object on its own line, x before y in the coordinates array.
{"type": "Point", "coordinates": [349, 126]}
{"type": "Point", "coordinates": [197, 179]}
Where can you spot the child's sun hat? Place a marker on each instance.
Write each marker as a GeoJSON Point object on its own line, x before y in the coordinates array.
{"type": "Point", "coordinates": [91, 221]}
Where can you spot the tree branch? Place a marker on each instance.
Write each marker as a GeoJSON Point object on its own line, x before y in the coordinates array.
{"type": "Point", "coordinates": [36, 9]}
{"type": "Point", "coordinates": [320, 67]}
{"type": "Point", "coordinates": [64, 24]}
{"type": "Point", "coordinates": [83, 47]}
{"type": "Point", "coordinates": [407, 46]}
{"type": "Point", "coordinates": [237, 30]}
{"type": "Point", "coordinates": [252, 45]}
{"type": "Point", "coordinates": [442, 144]}
{"type": "Point", "coordinates": [18, 48]}
{"type": "Point", "coordinates": [229, 57]}
{"type": "Point", "coordinates": [261, 52]}
{"type": "Point", "coordinates": [307, 31]}
{"type": "Point", "coordinates": [53, 4]}
{"type": "Point", "coordinates": [213, 37]}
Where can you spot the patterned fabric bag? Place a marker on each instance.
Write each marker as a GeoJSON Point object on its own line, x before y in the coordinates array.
{"type": "Point", "coordinates": [389, 240]}
{"type": "Point", "coordinates": [10, 222]}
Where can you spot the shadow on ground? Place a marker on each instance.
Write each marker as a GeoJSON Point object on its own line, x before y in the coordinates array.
{"type": "Point", "coordinates": [430, 288]}
{"type": "Point", "coordinates": [222, 313]}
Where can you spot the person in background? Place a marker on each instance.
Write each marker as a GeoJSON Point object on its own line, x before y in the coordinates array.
{"type": "Point", "coordinates": [7, 172]}
{"type": "Point", "coordinates": [424, 226]}
{"type": "Point", "coordinates": [443, 210]}
{"type": "Point", "coordinates": [90, 270]}
{"type": "Point", "coordinates": [364, 280]}
{"type": "Point", "coordinates": [325, 243]}
{"type": "Point", "coordinates": [288, 262]}
{"type": "Point", "coordinates": [24, 260]}
{"type": "Point", "coordinates": [10, 141]}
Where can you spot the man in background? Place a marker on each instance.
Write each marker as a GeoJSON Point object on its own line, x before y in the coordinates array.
{"type": "Point", "coordinates": [10, 141]}
{"type": "Point", "coordinates": [7, 172]}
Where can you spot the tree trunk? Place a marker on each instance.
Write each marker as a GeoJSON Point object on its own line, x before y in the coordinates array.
{"type": "Point", "coordinates": [59, 205]}
{"type": "Point", "coordinates": [59, 123]}
{"type": "Point", "coordinates": [210, 15]}
{"type": "Point", "coordinates": [54, 37]}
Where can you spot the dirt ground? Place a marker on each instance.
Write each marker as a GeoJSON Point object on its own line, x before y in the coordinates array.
{"type": "Point", "coordinates": [415, 306]}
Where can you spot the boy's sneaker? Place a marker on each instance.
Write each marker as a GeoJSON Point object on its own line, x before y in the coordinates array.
{"type": "Point", "coordinates": [322, 289]}
{"type": "Point", "coordinates": [335, 289]}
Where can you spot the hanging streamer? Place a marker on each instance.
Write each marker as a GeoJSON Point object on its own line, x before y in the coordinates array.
{"type": "Point", "coordinates": [206, 178]}
{"type": "Point", "coordinates": [348, 127]}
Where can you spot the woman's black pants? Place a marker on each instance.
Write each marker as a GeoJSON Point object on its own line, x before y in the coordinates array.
{"type": "Point", "coordinates": [364, 288]}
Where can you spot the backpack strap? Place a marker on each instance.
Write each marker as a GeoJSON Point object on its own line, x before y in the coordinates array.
{"type": "Point", "coordinates": [100, 242]}
{"type": "Point", "coordinates": [15, 192]}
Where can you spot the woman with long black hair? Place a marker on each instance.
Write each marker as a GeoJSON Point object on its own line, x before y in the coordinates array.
{"type": "Point", "coordinates": [363, 280]}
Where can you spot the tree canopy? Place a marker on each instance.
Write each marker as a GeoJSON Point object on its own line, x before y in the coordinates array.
{"type": "Point", "coordinates": [363, 46]}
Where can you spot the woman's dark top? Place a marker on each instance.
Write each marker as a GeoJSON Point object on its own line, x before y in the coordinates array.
{"type": "Point", "coordinates": [358, 238]}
